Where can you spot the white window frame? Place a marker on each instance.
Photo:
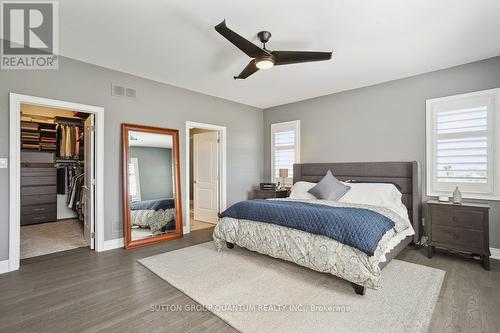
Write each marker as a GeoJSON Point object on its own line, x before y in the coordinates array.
{"type": "Point", "coordinates": [137, 179]}
{"type": "Point", "coordinates": [490, 191]}
{"type": "Point", "coordinates": [276, 127]}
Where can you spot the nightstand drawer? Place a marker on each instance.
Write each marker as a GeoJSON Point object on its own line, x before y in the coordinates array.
{"type": "Point", "coordinates": [456, 236]}
{"type": "Point", "coordinates": [268, 194]}
{"type": "Point", "coordinates": [457, 216]}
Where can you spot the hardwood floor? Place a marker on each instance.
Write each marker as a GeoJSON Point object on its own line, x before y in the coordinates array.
{"type": "Point", "coordinates": [84, 291]}
{"type": "Point", "coordinates": [470, 296]}
{"type": "Point", "coordinates": [197, 225]}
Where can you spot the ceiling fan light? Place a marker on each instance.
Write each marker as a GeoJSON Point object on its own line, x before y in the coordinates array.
{"type": "Point", "coordinates": [264, 63]}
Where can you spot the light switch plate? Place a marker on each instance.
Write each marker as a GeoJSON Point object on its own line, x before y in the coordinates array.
{"type": "Point", "coordinates": [4, 162]}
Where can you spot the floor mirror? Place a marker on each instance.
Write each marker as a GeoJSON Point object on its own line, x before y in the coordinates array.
{"type": "Point", "coordinates": [151, 185]}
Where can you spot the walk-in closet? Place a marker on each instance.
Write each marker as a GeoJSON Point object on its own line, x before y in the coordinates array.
{"type": "Point", "coordinates": [55, 148]}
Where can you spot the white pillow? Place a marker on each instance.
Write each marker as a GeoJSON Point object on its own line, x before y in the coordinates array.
{"type": "Point", "coordinates": [300, 190]}
{"type": "Point", "coordinates": [376, 194]}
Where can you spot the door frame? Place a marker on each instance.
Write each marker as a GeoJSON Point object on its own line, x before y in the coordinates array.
{"type": "Point", "coordinates": [223, 158]}
{"type": "Point", "coordinates": [15, 168]}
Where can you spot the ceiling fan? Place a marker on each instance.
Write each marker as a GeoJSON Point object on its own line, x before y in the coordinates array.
{"type": "Point", "coordinates": [264, 58]}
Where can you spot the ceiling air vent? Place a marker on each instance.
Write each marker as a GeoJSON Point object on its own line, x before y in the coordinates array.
{"type": "Point", "coordinates": [120, 91]}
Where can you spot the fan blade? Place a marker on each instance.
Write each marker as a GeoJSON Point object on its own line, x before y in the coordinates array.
{"type": "Point", "coordinates": [243, 44]}
{"type": "Point", "coordinates": [247, 71]}
{"type": "Point", "coordinates": [294, 57]}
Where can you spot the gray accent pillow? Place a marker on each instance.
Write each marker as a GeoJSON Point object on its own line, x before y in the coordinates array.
{"type": "Point", "coordinates": [329, 188]}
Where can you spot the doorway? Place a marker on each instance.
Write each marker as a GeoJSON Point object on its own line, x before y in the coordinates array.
{"type": "Point", "coordinates": [55, 168]}
{"type": "Point", "coordinates": [206, 174]}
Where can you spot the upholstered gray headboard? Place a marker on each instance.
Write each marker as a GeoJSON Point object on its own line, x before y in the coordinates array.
{"type": "Point", "coordinates": [405, 174]}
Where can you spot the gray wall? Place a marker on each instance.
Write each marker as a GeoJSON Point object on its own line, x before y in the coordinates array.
{"type": "Point", "coordinates": [384, 122]}
{"type": "Point", "coordinates": [155, 171]}
{"type": "Point", "coordinates": [157, 104]}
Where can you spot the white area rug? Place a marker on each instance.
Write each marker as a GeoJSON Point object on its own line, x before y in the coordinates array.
{"type": "Point", "coordinates": [45, 238]}
{"type": "Point", "coordinates": [256, 293]}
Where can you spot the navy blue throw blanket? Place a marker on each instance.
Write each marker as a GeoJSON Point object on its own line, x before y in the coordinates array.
{"type": "Point", "coordinates": [357, 227]}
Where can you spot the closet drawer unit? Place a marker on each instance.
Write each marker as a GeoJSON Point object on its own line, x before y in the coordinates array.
{"type": "Point", "coordinates": [38, 218]}
{"type": "Point", "coordinates": [37, 172]}
{"type": "Point", "coordinates": [38, 209]}
{"type": "Point", "coordinates": [38, 193]}
{"type": "Point", "coordinates": [37, 190]}
{"type": "Point", "coordinates": [27, 200]}
{"type": "Point", "coordinates": [39, 180]}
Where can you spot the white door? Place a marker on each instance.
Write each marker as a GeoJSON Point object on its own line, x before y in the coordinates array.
{"type": "Point", "coordinates": [206, 176]}
{"type": "Point", "coordinates": [89, 182]}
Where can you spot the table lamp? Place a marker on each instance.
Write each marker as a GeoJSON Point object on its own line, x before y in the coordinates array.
{"type": "Point", "coordinates": [283, 175]}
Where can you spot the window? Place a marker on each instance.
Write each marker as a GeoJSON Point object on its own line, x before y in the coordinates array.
{"type": "Point", "coordinates": [285, 149]}
{"type": "Point", "coordinates": [133, 180]}
{"type": "Point", "coordinates": [462, 148]}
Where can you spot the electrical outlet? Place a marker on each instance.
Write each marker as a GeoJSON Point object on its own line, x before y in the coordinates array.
{"type": "Point", "coordinates": [4, 162]}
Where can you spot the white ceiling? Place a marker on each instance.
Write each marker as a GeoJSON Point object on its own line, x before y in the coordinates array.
{"type": "Point", "coordinates": [152, 140]}
{"type": "Point", "coordinates": [373, 41]}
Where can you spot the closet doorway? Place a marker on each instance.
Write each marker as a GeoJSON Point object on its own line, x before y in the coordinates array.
{"type": "Point", "coordinates": [206, 161]}
{"type": "Point", "coordinates": [54, 173]}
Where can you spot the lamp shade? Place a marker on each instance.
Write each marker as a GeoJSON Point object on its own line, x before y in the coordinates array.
{"type": "Point", "coordinates": [283, 173]}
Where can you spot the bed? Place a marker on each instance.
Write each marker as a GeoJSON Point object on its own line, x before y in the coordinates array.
{"type": "Point", "coordinates": [321, 253]}
{"type": "Point", "coordinates": [151, 217]}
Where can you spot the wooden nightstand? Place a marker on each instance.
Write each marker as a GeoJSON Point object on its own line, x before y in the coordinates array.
{"type": "Point", "coordinates": [267, 194]}
{"type": "Point", "coordinates": [461, 228]}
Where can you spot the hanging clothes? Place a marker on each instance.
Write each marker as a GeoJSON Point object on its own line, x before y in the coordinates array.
{"type": "Point", "coordinates": [67, 147]}
{"type": "Point", "coordinates": [76, 192]}
{"type": "Point", "coordinates": [70, 181]}
{"type": "Point", "coordinates": [76, 148]}
{"type": "Point", "coordinates": [62, 141]}
{"type": "Point", "coordinates": [69, 140]}
{"type": "Point", "coordinates": [61, 180]}
{"type": "Point", "coordinates": [58, 142]}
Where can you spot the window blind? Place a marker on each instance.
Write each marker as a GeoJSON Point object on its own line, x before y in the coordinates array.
{"type": "Point", "coordinates": [134, 182]}
{"type": "Point", "coordinates": [462, 145]}
{"type": "Point", "coordinates": [284, 149]}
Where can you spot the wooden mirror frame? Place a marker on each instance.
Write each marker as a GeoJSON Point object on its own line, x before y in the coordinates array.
{"type": "Point", "coordinates": [129, 243]}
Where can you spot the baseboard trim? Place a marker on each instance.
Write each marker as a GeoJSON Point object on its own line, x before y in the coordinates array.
{"type": "Point", "coordinates": [495, 253]}
{"type": "Point", "coordinates": [113, 244]}
{"type": "Point", "coordinates": [4, 266]}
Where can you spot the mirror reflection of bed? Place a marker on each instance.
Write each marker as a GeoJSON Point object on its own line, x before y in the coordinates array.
{"type": "Point", "coordinates": [151, 185]}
